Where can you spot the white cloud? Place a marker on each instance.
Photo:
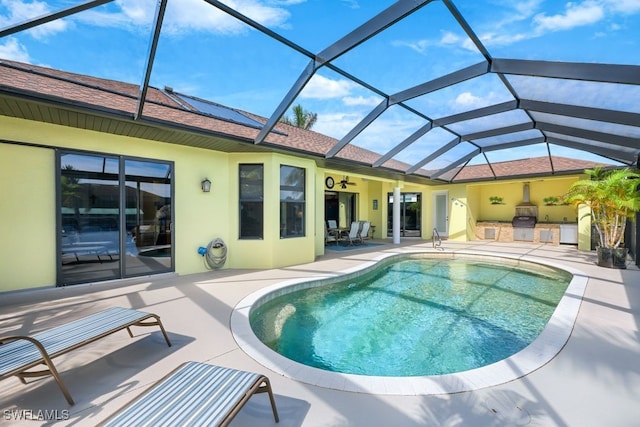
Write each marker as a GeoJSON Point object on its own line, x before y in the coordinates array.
{"type": "Point", "coordinates": [181, 16]}
{"type": "Point", "coordinates": [13, 50]}
{"type": "Point", "coordinates": [351, 4]}
{"type": "Point", "coordinates": [449, 38]}
{"type": "Point", "coordinates": [197, 15]}
{"type": "Point", "coordinates": [575, 15]}
{"type": "Point", "coordinates": [286, 2]}
{"type": "Point", "coordinates": [526, 8]}
{"type": "Point", "coordinates": [509, 30]}
{"type": "Point", "coordinates": [320, 87]}
{"type": "Point", "coordinates": [356, 101]}
{"type": "Point", "coordinates": [468, 99]}
{"type": "Point", "coordinates": [336, 124]}
{"type": "Point", "coordinates": [136, 10]}
{"type": "Point", "coordinates": [502, 39]}
{"type": "Point", "coordinates": [419, 46]}
{"type": "Point", "coordinates": [623, 6]}
{"type": "Point", "coordinates": [20, 11]}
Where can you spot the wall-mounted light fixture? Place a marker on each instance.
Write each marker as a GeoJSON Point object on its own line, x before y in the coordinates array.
{"type": "Point", "coordinates": [457, 202]}
{"type": "Point", "coordinates": [206, 185]}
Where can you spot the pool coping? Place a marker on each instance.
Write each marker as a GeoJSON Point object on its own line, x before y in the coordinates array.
{"type": "Point", "coordinates": [542, 350]}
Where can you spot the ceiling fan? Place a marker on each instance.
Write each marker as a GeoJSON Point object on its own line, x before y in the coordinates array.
{"type": "Point", "coordinates": [345, 182]}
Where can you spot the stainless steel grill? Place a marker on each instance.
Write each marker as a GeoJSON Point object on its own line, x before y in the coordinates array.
{"type": "Point", "coordinates": [524, 222]}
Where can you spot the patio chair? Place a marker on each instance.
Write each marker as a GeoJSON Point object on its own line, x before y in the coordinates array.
{"type": "Point", "coordinates": [353, 236]}
{"type": "Point", "coordinates": [333, 224]}
{"type": "Point", "coordinates": [364, 232]}
{"type": "Point", "coordinates": [194, 394]}
{"type": "Point", "coordinates": [330, 236]}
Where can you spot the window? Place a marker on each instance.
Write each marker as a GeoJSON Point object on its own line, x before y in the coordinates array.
{"type": "Point", "coordinates": [292, 202]}
{"type": "Point", "coordinates": [114, 217]}
{"type": "Point", "coordinates": [251, 201]}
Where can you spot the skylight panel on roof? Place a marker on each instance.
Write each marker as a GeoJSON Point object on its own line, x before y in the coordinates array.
{"type": "Point", "coordinates": [218, 111]}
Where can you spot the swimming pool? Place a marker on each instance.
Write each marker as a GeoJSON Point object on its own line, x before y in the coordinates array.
{"type": "Point", "coordinates": [414, 316]}
{"type": "Point", "coordinates": [552, 330]}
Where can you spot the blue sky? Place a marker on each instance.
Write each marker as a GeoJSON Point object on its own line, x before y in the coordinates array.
{"type": "Point", "coordinates": [205, 53]}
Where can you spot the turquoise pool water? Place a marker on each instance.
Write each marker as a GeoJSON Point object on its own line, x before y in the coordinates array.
{"type": "Point", "coordinates": [413, 317]}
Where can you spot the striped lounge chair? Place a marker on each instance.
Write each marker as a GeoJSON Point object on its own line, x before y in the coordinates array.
{"type": "Point", "coordinates": [194, 394]}
{"type": "Point", "coordinates": [20, 353]}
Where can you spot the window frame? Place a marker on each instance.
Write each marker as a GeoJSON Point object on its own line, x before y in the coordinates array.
{"type": "Point", "coordinates": [293, 211]}
{"type": "Point", "coordinates": [120, 272]}
{"type": "Point", "coordinates": [253, 200]}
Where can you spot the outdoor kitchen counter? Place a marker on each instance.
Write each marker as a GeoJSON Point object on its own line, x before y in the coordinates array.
{"type": "Point", "coordinates": [503, 231]}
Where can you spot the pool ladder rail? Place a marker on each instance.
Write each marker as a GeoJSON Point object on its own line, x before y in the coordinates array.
{"type": "Point", "coordinates": [436, 240]}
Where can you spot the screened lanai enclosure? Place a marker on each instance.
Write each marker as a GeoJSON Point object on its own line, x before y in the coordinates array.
{"type": "Point", "coordinates": [432, 95]}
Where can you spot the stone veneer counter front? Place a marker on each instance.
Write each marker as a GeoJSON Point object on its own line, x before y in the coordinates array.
{"type": "Point", "coordinates": [503, 231]}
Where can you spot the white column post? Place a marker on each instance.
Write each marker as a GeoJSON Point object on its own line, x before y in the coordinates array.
{"type": "Point", "coordinates": [396, 215]}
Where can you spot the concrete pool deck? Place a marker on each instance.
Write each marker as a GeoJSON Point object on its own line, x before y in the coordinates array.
{"type": "Point", "coordinates": [593, 381]}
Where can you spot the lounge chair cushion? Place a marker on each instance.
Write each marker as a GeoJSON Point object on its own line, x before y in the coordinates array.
{"type": "Point", "coordinates": [195, 394]}
{"type": "Point", "coordinates": [62, 338]}
{"type": "Point", "coordinates": [18, 354]}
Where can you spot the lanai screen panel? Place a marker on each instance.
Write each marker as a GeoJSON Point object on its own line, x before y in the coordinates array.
{"type": "Point", "coordinates": [491, 122]}
{"type": "Point", "coordinates": [429, 143]}
{"type": "Point", "coordinates": [392, 126]}
{"type": "Point", "coordinates": [501, 160]}
{"type": "Point", "coordinates": [590, 125]}
{"type": "Point", "coordinates": [339, 102]}
{"type": "Point", "coordinates": [521, 139]}
{"type": "Point", "coordinates": [411, 51]}
{"type": "Point", "coordinates": [612, 96]}
{"type": "Point", "coordinates": [592, 150]}
{"type": "Point", "coordinates": [482, 91]}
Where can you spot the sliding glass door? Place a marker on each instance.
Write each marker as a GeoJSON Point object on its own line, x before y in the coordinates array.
{"type": "Point", "coordinates": [410, 214]}
{"type": "Point", "coordinates": [114, 217]}
{"type": "Point", "coordinates": [149, 216]}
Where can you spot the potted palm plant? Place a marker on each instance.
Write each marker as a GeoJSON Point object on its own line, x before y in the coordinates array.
{"type": "Point", "coordinates": [613, 197]}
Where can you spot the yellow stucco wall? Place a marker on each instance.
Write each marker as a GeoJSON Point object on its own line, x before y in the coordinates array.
{"type": "Point", "coordinates": [27, 184]}
{"type": "Point", "coordinates": [584, 228]}
{"type": "Point", "coordinates": [458, 213]}
{"type": "Point", "coordinates": [374, 189]}
{"type": "Point", "coordinates": [512, 194]}
{"type": "Point", "coordinates": [27, 217]}
{"type": "Point", "coordinates": [28, 197]}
